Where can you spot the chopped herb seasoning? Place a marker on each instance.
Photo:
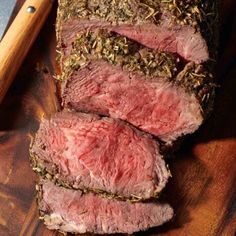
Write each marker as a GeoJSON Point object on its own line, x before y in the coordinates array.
{"type": "Point", "coordinates": [110, 10]}
{"type": "Point", "coordinates": [118, 50]}
{"type": "Point", "coordinates": [54, 176]}
{"type": "Point", "coordinates": [195, 78]}
{"type": "Point", "coordinates": [184, 12]}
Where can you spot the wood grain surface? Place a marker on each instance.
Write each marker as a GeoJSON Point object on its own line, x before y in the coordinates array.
{"type": "Point", "coordinates": [203, 188]}
{"type": "Point", "coordinates": [18, 40]}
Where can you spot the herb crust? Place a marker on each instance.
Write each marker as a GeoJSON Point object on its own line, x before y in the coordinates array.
{"type": "Point", "coordinates": [54, 175]}
{"type": "Point", "coordinates": [183, 12]}
{"type": "Point", "coordinates": [131, 56]}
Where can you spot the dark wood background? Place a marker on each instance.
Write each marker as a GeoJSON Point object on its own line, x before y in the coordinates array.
{"type": "Point", "coordinates": [203, 188]}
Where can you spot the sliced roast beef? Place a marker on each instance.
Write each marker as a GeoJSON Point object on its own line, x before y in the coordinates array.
{"type": "Point", "coordinates": [87, 152]}
{"type": "Point", "coordinates": [175, 26]}
{"type": "Point", "coordinates": [153, 105]}
{"type": "Point", "coordinates": [113, 76]}
{"type": "Point", "coordinates": [74, 212]}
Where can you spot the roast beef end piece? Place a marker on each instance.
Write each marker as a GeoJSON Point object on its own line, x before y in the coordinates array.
{"type": "Point", "coordinates": [184, 41]}
{"type": "Point", "coordinates": [103, 155]}
{"type": "Point", "coordinates": [152, 104]}
{"type": "Point", "coordinates": [183, 27]}
{"type": "Point", "coordinates": [74, 212]}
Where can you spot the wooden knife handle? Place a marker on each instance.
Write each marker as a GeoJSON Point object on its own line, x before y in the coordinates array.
{"type": "Point", "coordinates": [19, 38]}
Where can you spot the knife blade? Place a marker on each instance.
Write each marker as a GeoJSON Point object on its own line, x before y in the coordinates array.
{"type": "Point", "coordinates": [6, 9]}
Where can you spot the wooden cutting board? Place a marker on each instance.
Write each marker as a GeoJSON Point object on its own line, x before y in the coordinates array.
{"type": "Point", "coordinates": [203, 188]}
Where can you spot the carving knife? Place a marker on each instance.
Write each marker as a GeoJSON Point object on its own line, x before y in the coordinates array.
{"type": "Point", "coordinates": [19, 37]}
